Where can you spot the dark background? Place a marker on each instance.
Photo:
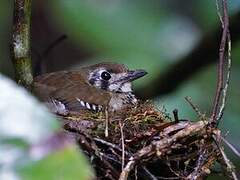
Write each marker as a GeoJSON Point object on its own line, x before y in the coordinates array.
{"type": "Point", "coordinates": [159, 36]}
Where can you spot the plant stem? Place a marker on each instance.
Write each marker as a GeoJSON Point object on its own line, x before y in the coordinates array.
{"type": "Point", "coordinates": [20, 45]}
{"type": "Point", "coordinates": [222, 52]}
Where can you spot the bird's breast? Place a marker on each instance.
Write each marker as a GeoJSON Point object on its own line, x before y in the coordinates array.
{"type": "Point", "coordinates": [120, 101]}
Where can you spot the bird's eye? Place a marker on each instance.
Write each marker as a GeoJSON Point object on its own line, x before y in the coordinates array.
{"type": "Point", "coordinates": [105, 75]}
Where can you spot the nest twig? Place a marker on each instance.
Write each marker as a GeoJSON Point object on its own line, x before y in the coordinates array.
{"type": "Point", "coordinates": [145, 143]}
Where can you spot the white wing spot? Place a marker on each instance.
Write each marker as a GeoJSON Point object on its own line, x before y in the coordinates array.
{"type": "Point", "coordinates": [94, 107]}
{"type": "Point", "coordinates": [88, 105]}
{"type": "Point", "coordinates": [99, 107]}
{"type": "Point", "coordinates": [81, 102]}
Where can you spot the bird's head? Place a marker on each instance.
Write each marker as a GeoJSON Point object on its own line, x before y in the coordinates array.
{"type": "Point", "coordinates": [112, 77]}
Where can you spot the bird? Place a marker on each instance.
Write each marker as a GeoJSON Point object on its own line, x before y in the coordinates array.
{"type": "Point", "coordinates": [95, 88]}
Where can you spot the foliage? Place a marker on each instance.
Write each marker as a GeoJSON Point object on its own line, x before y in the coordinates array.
{"type": "Point", "coordinates": [24, 125]}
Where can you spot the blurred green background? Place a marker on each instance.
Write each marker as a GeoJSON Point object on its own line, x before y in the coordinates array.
{"type": "Point", "coordinates": [152, 35]}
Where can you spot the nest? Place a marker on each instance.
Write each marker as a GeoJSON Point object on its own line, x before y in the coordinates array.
{"type": "Point", "coordinates": [144, 143]}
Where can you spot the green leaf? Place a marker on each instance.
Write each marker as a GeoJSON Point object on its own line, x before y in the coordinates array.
{"type": "Point", "coordinates": [60, 165]}
{"type": "Point", "coordinates": [25, 123]}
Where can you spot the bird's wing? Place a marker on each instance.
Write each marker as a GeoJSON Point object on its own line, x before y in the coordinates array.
{"type": "Point", "coordinates": [70, 89]}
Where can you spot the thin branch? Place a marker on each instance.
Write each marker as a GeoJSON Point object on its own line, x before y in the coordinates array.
{"type": "Point", "coordinates": [121, 125]}
{"type": "Point", "coordinates": [54, 44]}
{"type": "Point", "coordinates": [225, 89]}
{"type": "Point", "coordinates": [195, 108]}
{"type": "Point", "coordinates": [114, 146]}
{"type": "Point", "coordinates": [124, 174]}
{"type": "Point", "coordinates": [203, 55]}
{"type": "Point", "coordinates": [128, 154]}
{"type": "Point", "coordinates": [228, 164]}
{"type": "Point", "coordinates": [87, 142]}
{"type": "Point", "coordinates": [40, 66]}
{"type": "Point", "coordinates": [175, 114]}
{"type": "Point", "coordinates": [199, 170]}
{"type": "Point", "coordinates": [230, 167]}
{"type": "Point", "coordinates": [20, 46]}
{"type": "Point", "coordinates": [149, 173]}
{"type": "Point", "coordinates": [219, 13]}
{"type": "Point", "coordinates": [160, 147]}
{"type": "Point", "coordinates": [234, 150]}
{"type": "Point", "coordinates": [106, 122]}
{"type": "Point", "coordinates": [220, 81]}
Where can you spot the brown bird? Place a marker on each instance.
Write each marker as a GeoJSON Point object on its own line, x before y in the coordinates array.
{"type": "Point", "coordinates": [95, 88]}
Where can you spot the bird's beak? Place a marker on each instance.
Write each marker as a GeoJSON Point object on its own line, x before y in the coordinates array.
{"type": "Point", "coordinates": [132, 75]}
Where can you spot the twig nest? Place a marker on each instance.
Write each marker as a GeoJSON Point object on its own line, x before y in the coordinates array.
{"type": "Point", "coordinates": [144, 142]}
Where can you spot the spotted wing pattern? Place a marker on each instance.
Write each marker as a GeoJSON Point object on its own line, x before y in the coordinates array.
{"type": "Point", "coordinates": [69, 91]}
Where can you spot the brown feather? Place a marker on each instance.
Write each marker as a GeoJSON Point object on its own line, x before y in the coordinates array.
{"type": "Point", "coordinates": [67, 86]}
